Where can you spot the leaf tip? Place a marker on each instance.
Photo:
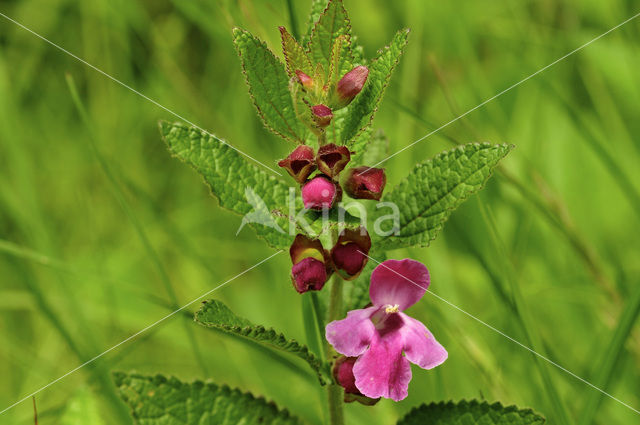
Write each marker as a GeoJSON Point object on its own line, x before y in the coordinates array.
{"type": "Point", "coordinates": [237, 32]}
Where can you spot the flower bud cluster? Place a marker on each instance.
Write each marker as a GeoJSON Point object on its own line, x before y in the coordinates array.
{"type": "Point", "coordinates": [323, 190]}
{"type": "Point", "coordinates": [313, 265]}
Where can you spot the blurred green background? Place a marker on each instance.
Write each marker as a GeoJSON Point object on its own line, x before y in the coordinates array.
{"type": "Point", "coordinates": [98, 224]}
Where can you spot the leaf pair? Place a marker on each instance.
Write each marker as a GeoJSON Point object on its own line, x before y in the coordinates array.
{"type": "Point", "coordinates": [425, 198]}
{"type": "Point", "coordinates": [168, 401]}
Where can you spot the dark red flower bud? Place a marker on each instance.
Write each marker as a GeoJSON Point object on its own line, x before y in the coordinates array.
{"type": "Point", "coordinates": [343, 374]}
{"type": "Point", "coordinates": [311, 264]}
{"type": "Point", "coordinates": [350, 85]}
{"type": "Point", "coordinates": [305, 80]}
{"type": "Point", "coordinates": [365, 183]}
{"type": "Point", "coordinates": [318, 193]}
{"type": "Point", "coordinates": [322, 115]}
{"type": "Point", "coordinates": [349, 255]}
{"type": "Point", "coordinates": [332, 159]}
{"type": "Point", "coordinates": [308, 274]}
{"type": "Point", "coordinates": [300, 163]}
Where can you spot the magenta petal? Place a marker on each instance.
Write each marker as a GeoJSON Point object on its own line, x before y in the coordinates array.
{"type": "Point", "coordinates": [352, 336]}
{"type": "Point", "coordinates": [382, 371]}
{"type": "Point", "coordinates": [420, 346]}
{"type": "Point", "coordinates": [398, 282]}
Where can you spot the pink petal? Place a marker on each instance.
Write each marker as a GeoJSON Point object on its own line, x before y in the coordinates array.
{"type": "Point", "coordinates": [401, 282]}
{"type": "Point", "coordinates": [352, 336]}
{"type": "Point", "coordinates": [382, 371]}
{"type": "Point", "coordinates": [420, 346]}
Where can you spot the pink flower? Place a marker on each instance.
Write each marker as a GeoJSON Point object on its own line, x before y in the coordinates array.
{"type": "Point", "coordinates": [379, 335]}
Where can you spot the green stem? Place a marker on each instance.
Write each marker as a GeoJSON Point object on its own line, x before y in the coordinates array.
{"type": "Point", "coordinates": [322, 139]}
{"type": "Point", "coordinates": [319, 321]}
{"type": "Point", "coordinates": [334, 391]}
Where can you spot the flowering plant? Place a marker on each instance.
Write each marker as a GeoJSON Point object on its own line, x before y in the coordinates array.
{"type": "Point", "coordinates": [323, 98]}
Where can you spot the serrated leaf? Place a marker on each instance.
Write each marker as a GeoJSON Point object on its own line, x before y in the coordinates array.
{"type": "Point", "coordinates": [470, 413]}
{"type": "Point", "coordinates": [269, 86]}
{"type": "Point", "coordinates": [332, 24]}
{"type": "Point", "coordinates": [301, 103]}
{"type": "Point", "coordinates": [336, 62]}
{"type": "Point", "coordinates": [214, 314]}
{"type": "Point", "coordinates": [295, 56]}
{"type": "Point", "coordinates": [358, 53]}
{"type": "Point", "coordinates": [239, 185]}
{"type": "Point", "coordinates": [156, 400]}
{"type": "Point", "coordinates": [434, 189]}
{"type": "Point", "coordinates": [364, 106]}
{"type": "Point", "coordinates": [317, 7]}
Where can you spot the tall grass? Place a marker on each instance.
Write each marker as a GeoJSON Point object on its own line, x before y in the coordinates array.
{"type": "Point", "coordinates": [102, 232]}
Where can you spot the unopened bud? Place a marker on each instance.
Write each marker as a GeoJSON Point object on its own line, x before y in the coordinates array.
{"type": "Point", "coordinates": [322, 115]}
{"type": "Point", "coordinates": [308, 274]}
{"type": "Point", "coordinates": [300, 163]}
{"type": "Point", "coordinates": [332, 159]}
{"type": "Point", "coordinates": [350, 253]}
{"type": "Point", "coordinates": [365, 183]}
{"type": "Point", "coordinates": [350, 85]}
{"type": "Point", "coordinates": [305, 80]}
{"type": "Point", "coordinates": [343, 375]}
{"type": "Point", "coordinates": [319, 193]}
{"type": "Point", "coordinates": [311, 264]}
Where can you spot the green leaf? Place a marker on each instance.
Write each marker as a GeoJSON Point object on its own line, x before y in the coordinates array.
{"type": "Point", "coordinates": [239, 185]}
{"type": "Point", "coordinates": [337, 63]}
{"type": "Point", "coordinates": [269, 86]}
{"type": "Point", "coordinates": [358, 52]}
{"type": "Point", "coordinates": [332, 24]}
{"type": "Point", "coordinates": [364, 106]}
{"type": "Point", "coordinates": [317, 7]}
{"type": "Point", "coordinates": [470, 413]}
{"type": "Point", "coordinates": [214, 314]}
{"type": "Point", "coordinates": [156, 400]}
{"type": "Point", "coordinates": [434, 189]}
{"type": "Point", "coordinates": [294, 55]}
{"type": "Point", "coordinates": [337, 219]}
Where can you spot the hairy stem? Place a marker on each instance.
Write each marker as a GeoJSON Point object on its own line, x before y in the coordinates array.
{"type": "Point", "coordinates": [322, 139]}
